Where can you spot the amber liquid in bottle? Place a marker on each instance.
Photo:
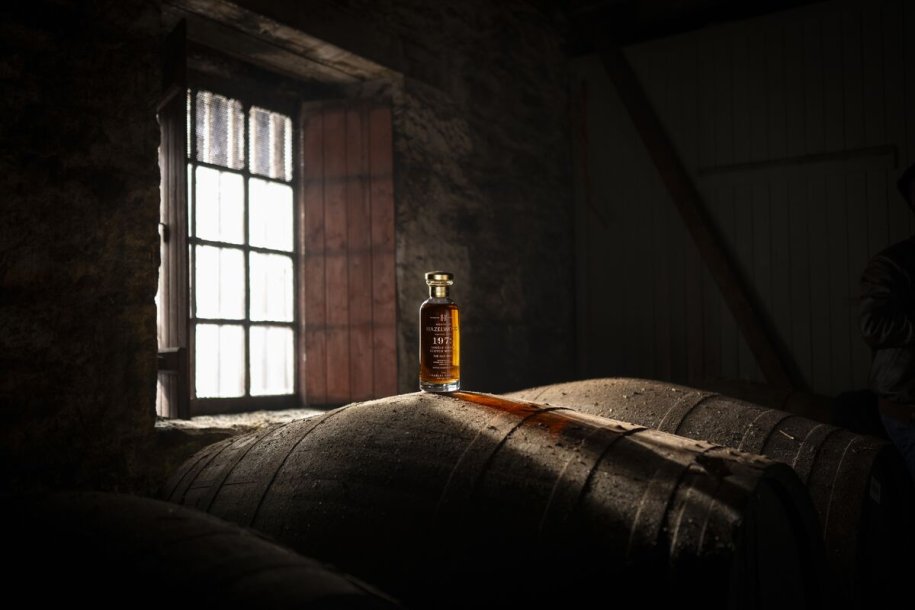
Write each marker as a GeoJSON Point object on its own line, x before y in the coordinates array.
{"type": "Point", "coordinates": [439, 337]}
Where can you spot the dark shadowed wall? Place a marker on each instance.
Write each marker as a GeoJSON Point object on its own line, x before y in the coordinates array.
{"type": "Point", "coordinates": [795, 127]}
{"type": "Point", "coordinates": [78, 242]}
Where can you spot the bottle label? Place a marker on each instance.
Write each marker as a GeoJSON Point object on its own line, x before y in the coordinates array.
{"type": "Point", "coordinates": [438, 335]}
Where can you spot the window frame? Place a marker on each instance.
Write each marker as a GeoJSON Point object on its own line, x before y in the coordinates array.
{"type": "Point", "coordinates": [247, 402]}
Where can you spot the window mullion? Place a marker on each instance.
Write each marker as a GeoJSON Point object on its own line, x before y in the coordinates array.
{"type": "Point", "coordinates": [246, 152]}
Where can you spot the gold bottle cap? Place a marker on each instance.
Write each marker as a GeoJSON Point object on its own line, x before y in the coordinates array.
{"type": "Point", "coordinates": [439, 278]}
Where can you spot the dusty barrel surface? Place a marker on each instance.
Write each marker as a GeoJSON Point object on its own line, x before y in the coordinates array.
{"type": "Point", "coordinates": [858, 483]}
{"type": "Point", "coordinates": [103, 550]}
{"type": "Point", "coordinates": [469, 500]}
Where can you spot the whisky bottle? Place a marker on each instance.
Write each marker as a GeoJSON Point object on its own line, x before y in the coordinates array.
{"type": "Point", "coordinates": [439, 337]}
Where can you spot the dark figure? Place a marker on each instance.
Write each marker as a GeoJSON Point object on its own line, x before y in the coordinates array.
{"type": "Point", "coordinates": [887, 318]}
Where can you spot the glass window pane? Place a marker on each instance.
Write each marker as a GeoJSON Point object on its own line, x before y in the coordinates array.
{"type": "Point", "coordinates": [270, 214]}
{"type": "Point", "coordinates": [190, 198]}
{"type": "Point", "coordinates": [219, 289]}
{"type": "Point", "coordinates": [220, 361]}
{"type": "Point", "coordinates": [220, 205]}
{"type": "Point", "coordinates": [271, 360]}
{"type": "Point", "coordinates": [220, 130]}
{"type": "Point", "coordinates": [187, 131]}
{"type": "Point", "coordinates": [271, 144]}
{"type": "Point", "coordinates": [271, 287]}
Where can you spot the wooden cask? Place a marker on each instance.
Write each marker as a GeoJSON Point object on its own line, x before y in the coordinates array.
{"type": "Point", "coordinates": [469, 500]}
{"type": "Point", "coordinates": [858, 484]}
{"type": "Point", "coordinates": [104, 550]}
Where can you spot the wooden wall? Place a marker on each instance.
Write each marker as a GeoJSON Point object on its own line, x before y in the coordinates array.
{"type": "Point", "coordinates": [795, 126]}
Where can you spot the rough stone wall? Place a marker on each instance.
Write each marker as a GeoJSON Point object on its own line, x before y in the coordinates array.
{"type": "Point", "coordinates": [78, 243]}
{"type": "Point", "coordinates": [483, 183]}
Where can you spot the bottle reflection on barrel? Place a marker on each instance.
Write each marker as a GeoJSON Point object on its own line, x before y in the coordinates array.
{"type": "Point", "coordinates": [439, 337]}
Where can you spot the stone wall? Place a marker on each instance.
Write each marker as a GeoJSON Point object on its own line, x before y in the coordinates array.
{"type": "Point", "coordinates": [482, 172]}
{"type": "Point", "coordinates": [78, 242]}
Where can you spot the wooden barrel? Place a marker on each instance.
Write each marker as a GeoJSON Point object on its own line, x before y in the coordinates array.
{"type": "Point", "coordinates": [102, 550]}
{"type": "Point", "coordinates": [858, 483]}
{"type": "Point", "coordinates": [817, 407]}
{"type": "Point", "coordinates": [470, 500]}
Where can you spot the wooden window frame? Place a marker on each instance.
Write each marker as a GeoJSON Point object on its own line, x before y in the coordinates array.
{"type": "Point", "coordinates": [246, 402]}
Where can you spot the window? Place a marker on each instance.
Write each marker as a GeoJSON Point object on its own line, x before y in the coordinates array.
{"type": "Point", "coordinates": [240, 204]}
{"type": "Point", "coordinates": [277, 261]}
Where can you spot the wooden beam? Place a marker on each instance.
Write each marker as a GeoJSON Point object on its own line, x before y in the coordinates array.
{"type": "Point", "coordinates": [235, 30]}
{"type": "Point", "coordinates": [775, 363]}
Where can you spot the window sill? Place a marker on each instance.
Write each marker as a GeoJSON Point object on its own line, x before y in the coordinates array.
{"type": "Point", "coordinates": [177, 440]}
{"type": "Point", "coordinates": [234, 423]}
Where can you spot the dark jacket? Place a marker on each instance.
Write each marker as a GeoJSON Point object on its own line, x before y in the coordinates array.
{"type": "Point", "coordinates": [887, 320]}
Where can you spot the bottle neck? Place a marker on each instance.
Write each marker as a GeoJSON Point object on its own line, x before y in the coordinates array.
{"type": "Point", "coordinates": [438, 292]}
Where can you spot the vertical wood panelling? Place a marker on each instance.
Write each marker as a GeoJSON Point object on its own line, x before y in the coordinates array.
{"type": "Point", "coordinates": [872, 73]}
{"type": "Point", "coordinates": [336, 256]}
{"type": "Point", "coordinates": [716, 307]}
{"type": "Point", "coordinates": [781, 261]}
{"type": "Point", "coordinates": [795, 107]}
{"type": "Point", "coordinates": [762, 256]}
{"type": "Point", "coordinates": [730, 350]}
{"type": "Point", "coordinates": [644, 299]}
{"type": "Point", "coordinates": [837, 225]}
{"type": "Point", "coordinates": [652, 69]}
{"type": "Point", "coordinates": [741, 78]}
{"type": "Point", "coordinates": [833, 77]}
{"type": "Point", "coordinates": [856, 204]}
{"type": "Point", "coordinates": [680, 109]}
{"type": "Point", "coordinates": [312, 288]}
{"type": "Point", "coordinates": [853, 82]}
{"type": "Point", "coordinates": [818, 288]}
{"type": "Point", "coordinates": [814, 104]}
{"type": "Point", "coordinates": [757, 102]}
{"type": "Point", "coordinates": [799, 237]}
{"type": "Point", "coordinates": [893, 94]}
{"type": "Point", "coordinates": [348, 283]}
{"type": "Point", "coordinates": [775, 88]}
{"type": "Point", "coordinates": [746, 104]}
{"type": "Point", "coordinates": [383, 295]}
{"type": "Point", "coordinates": [706, 94]}
{"type": "Point", "coordinates": [723, 105]}
{"type": "Point", "coordinates": [711, 296]}
{"type": "Point", "coordinates": [743, 232]}
{"type": "Point", "coordinates": [359, 243]}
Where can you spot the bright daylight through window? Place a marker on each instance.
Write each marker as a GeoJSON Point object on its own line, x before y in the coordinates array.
{"type": "Point", "coordinates": [240, 206]}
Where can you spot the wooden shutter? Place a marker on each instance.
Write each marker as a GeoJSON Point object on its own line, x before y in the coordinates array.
{"type": "Point", "coordinates": [346, 282]}
{"type": "Point", "coordinates": [173, 398]}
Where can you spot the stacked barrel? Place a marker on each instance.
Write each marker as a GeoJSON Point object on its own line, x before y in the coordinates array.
{"type": "Point", "coordinates": [472, 500]}
{"type": "Point", "coordinates": [858, 484]}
